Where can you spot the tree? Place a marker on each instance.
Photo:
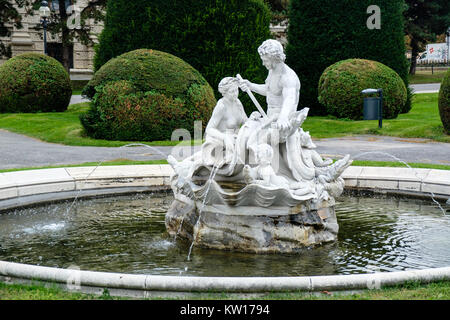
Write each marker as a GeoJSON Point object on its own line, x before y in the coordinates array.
{"type": "Point", "coordinates": [278, 5]}
{"type": "Point", "coordinates": [68, 24]}
{"type": "Point", "coordinates": [8, 14]}
{"type": "Point", "coordinates": [218, 38]}
{"type": "Point", "coordinates": [323, 32]}
{"type": "Point", "coordinates": [424, 19]}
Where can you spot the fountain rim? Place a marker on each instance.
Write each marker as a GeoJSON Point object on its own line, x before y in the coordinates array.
{"type": "Point", "coordinates": [22, 188]}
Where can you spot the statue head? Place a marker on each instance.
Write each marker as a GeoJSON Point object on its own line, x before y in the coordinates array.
{"type": "Point", "coordinates": [229, 85]}
{"type": "Point", "coordinates": [272, 50]}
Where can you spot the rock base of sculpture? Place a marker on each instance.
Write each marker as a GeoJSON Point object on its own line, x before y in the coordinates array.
{"type": "Point", "coordinates": [253, 229]}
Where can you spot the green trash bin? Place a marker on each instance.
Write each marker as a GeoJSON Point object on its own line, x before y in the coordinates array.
{"type": "Point", "coordinates": [373, 106]}
{"type": "Point", "coordinates": [371, 110]}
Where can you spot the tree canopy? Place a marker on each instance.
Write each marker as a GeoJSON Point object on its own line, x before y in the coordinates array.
{"type": "Point", "coordinates": [323, 32]}
{"type": "Point", "coordinates": [424, 20]}
{"type": "Point", "coordinates": [8, 14]}
{"type": "Point", "coordinates": [66, 24]}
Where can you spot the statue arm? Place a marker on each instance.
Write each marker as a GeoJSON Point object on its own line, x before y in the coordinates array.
{"type": "Point", "coordinates": [289, 106]}
{"type": "Point", "coordinates": [213, 124]}
{"type": "Point", "coordinates": [244, 117]}
{"type": "Point", "coordinates": [291, 94]}
{"type": "Point", "coordinates": [258, 88]}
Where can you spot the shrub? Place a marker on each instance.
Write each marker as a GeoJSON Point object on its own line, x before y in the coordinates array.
{"type": "Point", "coordinates": [444, 102]}
{"type": "Point", "coordinates": [323, 32]}
{"type": "Point", "coordinates": [145, 95]}
{"type": "Point", "coordinates": [34, 82]}
{"type": "Point", "coordinates": [341, 84]}
{"type": "Point", "coordinates": [218, 38]}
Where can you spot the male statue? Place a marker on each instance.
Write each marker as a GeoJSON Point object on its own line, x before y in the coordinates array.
{"type": "Point", "coordinates": [282, 91]}
{"type": "Point", "coordinates": [282, 86]}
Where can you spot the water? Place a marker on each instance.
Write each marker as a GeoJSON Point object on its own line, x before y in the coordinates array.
{"type": "Point", "coordinates": [432, 196]}
{"type": "Point", "coordinates": [197, 224]}
{"type": "Point", "coordinates": [101, 162]}
{"type": "Point", "coordinates": [127, 234]}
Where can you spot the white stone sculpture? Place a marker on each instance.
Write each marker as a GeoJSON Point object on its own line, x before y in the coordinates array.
{"type": "Point", "coordinates": [257, 184]}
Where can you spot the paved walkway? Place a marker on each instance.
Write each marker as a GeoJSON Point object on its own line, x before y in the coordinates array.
{"type": "Point", "coordinates": [18, 151]}
{"type": "Point", "coordinates": [425, 88]}
{"type": "Point", "coordinates": [78, 99]}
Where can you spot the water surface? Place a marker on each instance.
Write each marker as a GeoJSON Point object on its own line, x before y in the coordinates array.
{"type": "Point", "coordinates": [127, 234]}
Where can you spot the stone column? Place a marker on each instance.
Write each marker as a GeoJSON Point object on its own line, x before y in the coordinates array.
{"type": "Point", "coordinates": [21, 40]}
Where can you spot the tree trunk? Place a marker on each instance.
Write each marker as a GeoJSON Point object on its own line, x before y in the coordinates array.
{"type": "Point", "coordinates": [66, 57]}
{"type": "Point", "coordinates": [65, 38]}
{"type": "Point", "coordinates": [414, 54]}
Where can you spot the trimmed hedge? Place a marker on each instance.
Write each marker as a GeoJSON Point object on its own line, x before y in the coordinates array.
{"type": "Point", "coordinates": [341, 84]}
{"type": "Point", "coordinates": [34, 82]}
{"type": "Point", "coordinates": [145, 95]}
{"type": "Point", "coordinates": [323, 32]}
{"type": "Point", "coordinates": [444, 102]}
{"type": "Point", "coordinates": [218, 38]}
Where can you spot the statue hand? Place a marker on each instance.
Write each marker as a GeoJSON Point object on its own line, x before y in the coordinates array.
{"type": "Point", "coordinates": [229, 142]}
{"type": "Point", "coordinates": [283, 124]}
{"type": "Point", "coordinates": [255, 115]}
{"type": "Point", "coordinates": [244, 85]}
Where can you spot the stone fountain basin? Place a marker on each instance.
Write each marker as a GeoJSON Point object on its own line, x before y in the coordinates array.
{"type": "Point", "coordinates": [26, 188]}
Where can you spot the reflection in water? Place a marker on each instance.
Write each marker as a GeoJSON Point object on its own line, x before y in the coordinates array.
{"type": "Point", "coordinates": [127, 234]}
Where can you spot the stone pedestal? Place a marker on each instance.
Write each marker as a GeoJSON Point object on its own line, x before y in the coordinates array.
{"type": "Point", "coordinates": [253, 229]}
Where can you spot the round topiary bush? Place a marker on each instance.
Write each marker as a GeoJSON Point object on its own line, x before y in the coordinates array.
{"type": "Point", "coordinates": [341, 84]}
{"type": "Point", "coordinates": [217, 38]}
{"type": "Point", "coordinates": [338, 30]}
{"type": "Point", "coordinates": [444, 102]}
{"type": "Point", "coordinates": [145, 95]}
{"type": "Point", "coordinates": [34, 82]}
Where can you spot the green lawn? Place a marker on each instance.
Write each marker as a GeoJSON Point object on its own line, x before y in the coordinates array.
{"type": "Point", "coordinates": [118, 162]}
{"type": "Point", "coordinates": [40, 292]}
{"type": "Point", "coordinates": [409, 291]}
{"type": "Point", "coordinates": [121, 162]}
{"type": "Point", "coordinates": [426, 76]}
{"type": "Point", "coordinates": [77, 86]}
{"type": "Point", "coordinates": [422, 121]}
{"type": "Point", "coordinates": [59, 127]}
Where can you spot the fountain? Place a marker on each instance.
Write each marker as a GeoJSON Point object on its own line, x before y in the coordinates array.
{"type": "Point", "coordinates": [257, 184]}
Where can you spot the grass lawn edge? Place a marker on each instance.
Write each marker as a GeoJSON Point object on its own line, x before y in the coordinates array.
{"type": "Point", "coordinates": [439, 290]}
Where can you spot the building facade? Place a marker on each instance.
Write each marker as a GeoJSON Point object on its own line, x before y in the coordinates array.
{"type": "Point", "coordinates": [28, 39]}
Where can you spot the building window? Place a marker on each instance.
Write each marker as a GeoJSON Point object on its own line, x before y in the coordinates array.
{"type": "Point", "coordinates": [54, 4]}
{"type": "Point", "coordinates": [55, 50]}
